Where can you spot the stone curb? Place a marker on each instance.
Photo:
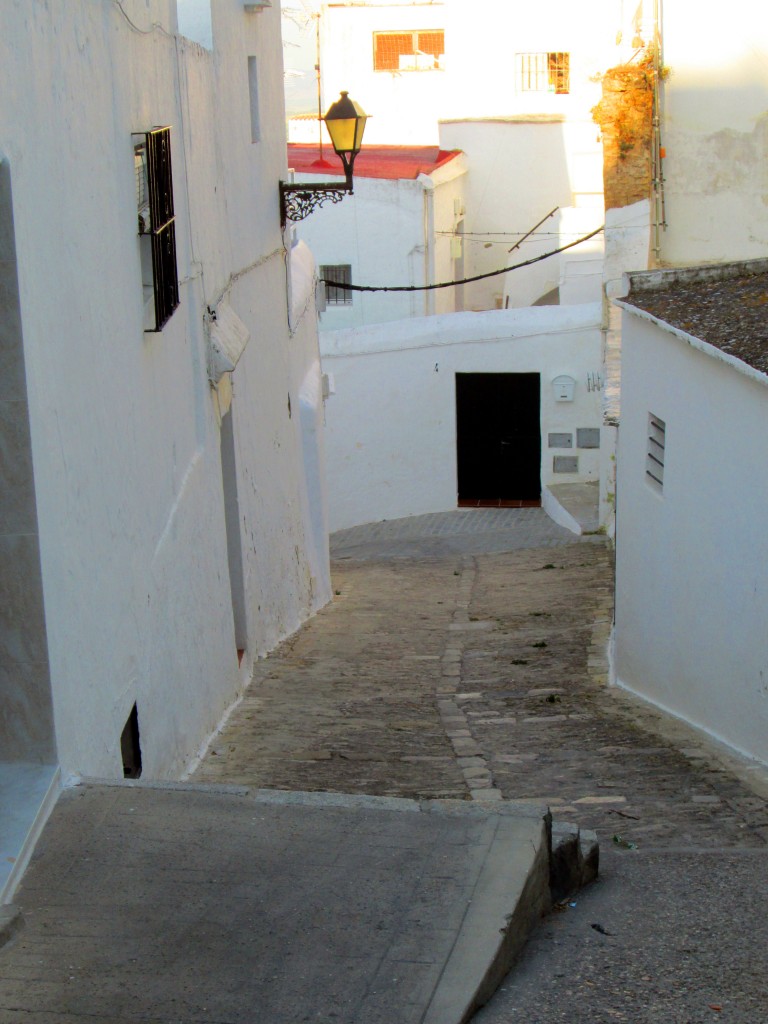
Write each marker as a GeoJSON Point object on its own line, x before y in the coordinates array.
{"type": "Point", "coordinates": [574, 860]}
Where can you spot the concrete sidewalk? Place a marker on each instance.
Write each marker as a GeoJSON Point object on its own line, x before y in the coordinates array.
{"type": "Point", "coordinates": [206, 905]}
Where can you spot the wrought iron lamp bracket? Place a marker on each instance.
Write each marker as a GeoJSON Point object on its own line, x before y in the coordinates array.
{"type": "Point", "coordinates": [298, 201]}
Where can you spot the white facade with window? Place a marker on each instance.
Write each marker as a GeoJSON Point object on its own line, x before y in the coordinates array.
{"type": "Point", "coordinates": [390, 232]}
{"type": "Point", "coordinates": [414, 64]}
{"type": "Point", "coordinates": [162, 514]}
{"type": "Point", "coordinates": [691, 632]}
{"type": "Point", "coordinates": [511, 87]}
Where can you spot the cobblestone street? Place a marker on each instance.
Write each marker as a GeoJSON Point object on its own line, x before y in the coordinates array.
{"type": "Point", "coordinates": [463, 673]}
{"type": "Point", "coordinates": [464, 656]}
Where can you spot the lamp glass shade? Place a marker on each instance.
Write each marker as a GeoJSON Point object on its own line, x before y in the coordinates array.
{"type": "Point", "coordinates": [345, 122]}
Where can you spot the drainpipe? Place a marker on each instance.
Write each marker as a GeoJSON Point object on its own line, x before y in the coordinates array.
{"type": "Point", "coordinates": [429, 242]}
{"type": "Point", "coordinates": [657, 152]}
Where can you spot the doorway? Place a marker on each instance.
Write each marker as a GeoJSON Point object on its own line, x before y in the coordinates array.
{"type": "Point", "coordinates": [498, 439]}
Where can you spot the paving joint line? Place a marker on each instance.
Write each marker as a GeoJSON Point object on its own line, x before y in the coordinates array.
{"type": "Point", "coordinates": [474, 766]}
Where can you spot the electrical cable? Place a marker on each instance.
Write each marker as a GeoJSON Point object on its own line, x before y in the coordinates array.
{"type": "Point", "coordinates": [465, 280]}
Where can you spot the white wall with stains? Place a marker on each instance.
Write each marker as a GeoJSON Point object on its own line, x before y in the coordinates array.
{"type": "Point", "coordinates": [125, 427]}
{"type": "Point", "coordinates": [715, 133]}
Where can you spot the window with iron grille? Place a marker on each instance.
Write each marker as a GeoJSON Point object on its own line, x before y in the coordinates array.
{"type": "Point", "coordinates": [333, 275]}
{"type": "Point", "coordinates": [157, 223]}
{"type": "Point", "coordinates": [409, 51]}
{"type": "Point", "coordinates": [544, 72]}
{"type": "Point", "coordinates": [654, 456]}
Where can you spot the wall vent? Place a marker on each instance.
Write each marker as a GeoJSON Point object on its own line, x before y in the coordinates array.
{"type": "Point", "coordinates": [654, 459]}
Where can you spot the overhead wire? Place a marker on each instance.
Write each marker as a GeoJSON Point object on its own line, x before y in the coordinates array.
{"type": "Point", "coordinates": [465, 280]}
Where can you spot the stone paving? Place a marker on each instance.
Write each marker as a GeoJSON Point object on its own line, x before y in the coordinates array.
{"type": "Point", "coordinates": [481, 676]}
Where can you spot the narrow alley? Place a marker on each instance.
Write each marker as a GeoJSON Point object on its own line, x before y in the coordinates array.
{"type": "Point", "coordinates": [458, 662]}
{"type": "Point", "coordinates": [462, 660]}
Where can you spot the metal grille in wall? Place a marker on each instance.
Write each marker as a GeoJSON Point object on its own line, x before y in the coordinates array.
{"type": "Point", "coordinates": [334, 275]}
{"type": "Point", "coordinates": [157, 220]}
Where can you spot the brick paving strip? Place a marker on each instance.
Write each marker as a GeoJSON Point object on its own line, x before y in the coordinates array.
{"type": "Point", "coordinates": [482, 676]}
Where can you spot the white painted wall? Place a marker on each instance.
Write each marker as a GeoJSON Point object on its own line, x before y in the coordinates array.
{"type": "Point", "coordinates": [125, 429]}
{"type": "Point", "coordinates": [506, 198]}
{"type": "Point", "coordinates": [391, 232]}
{"type": "Point", "coordinates": [692, 564]}
{"type": "Point", "coordinates": [391, 425]}
{"type": "Point", "coordinates": [715, 132]}
{"type": "Point", "coordinates": [478, 79]}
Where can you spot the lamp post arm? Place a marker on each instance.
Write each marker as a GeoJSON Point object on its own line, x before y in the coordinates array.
{"type": "Point", "coordinates": [298, 201]}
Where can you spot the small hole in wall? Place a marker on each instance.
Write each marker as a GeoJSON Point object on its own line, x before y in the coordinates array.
{"type": "Point", "coordinates": [130, 746]}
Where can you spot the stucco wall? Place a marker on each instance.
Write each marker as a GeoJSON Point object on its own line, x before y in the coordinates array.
{"type": "Point", "coordinates": [391, 425]}
{"type": "Point", "coordinates": [692, 563]}
{"type": "Point", "coordinates": [125, 429]}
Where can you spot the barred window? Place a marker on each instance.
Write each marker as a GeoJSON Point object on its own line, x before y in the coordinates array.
{"type": "Point", "coordinates": [333, 275]}
{"type": "Point", "coordinates": [544, 72]}
{"type": "Point", "coordinates": [409, 51]}
{"type": "Point", "coordinates": [156, 223]}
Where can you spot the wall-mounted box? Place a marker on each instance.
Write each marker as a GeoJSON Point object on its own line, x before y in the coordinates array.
{"type": "Point", "coordinates": [563, 387]}
{"type": "Point", "coordinates": [588, 437]}
{"type": "Point", "coordinates": [560, 440]}
{"type": "Point", "coordinates": [565, 464]}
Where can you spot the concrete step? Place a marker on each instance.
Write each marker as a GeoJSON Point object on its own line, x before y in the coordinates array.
{"type": "Point", "coordinates": [574, 506]}
{"type": "Point", "coordinates": [197, 903]}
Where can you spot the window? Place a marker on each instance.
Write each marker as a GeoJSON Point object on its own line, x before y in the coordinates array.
{"type": "Point", "coordinates": [333, 275]}
{"type": "Point", "coordinates": [544, 72]}
{"type": "Point", "coordinates": [409, 51]}
{"type": "Point", "coordinates": [654, 458]}
{"type": "Point", "coordinates": [157, 223]}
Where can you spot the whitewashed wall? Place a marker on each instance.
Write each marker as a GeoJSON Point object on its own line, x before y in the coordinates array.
{"type": "Point", "coordinates": [391, 425]}
{"type": "Point", "coordinates": [692, 563]}
{"type": "Point", "coordinates": [519, 171]}
{"type": "Point", "coordinates": [125, 434]}
{"type": "Point", "coordinates": [715, 132]}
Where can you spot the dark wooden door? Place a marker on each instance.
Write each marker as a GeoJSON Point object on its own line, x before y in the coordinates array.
{"type": "Point", "coordinates": [498, 436]}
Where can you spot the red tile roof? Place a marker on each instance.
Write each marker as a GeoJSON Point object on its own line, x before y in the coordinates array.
{"type": "Point", "coordinates": [393, 162]}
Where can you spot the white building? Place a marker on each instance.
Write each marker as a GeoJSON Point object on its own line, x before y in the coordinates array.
{"type": "Point", "coordinates": [402, 227]}
{"type": "Point", "coordinates": [462, 409]}
{"type": "Point", "coordinates": [691, 629]}
{"type": "Point", "coordinates": [686, 183]}
{"type": "Point", "coordinates": [162, 507]}
{"type": "Point", "coordinates": [511, 87]}
{"type": "Point", "coordinates": [413, 64]}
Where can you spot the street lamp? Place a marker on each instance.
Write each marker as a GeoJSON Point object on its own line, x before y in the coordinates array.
{"type": "Point", "coordinates": [345, 122]}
